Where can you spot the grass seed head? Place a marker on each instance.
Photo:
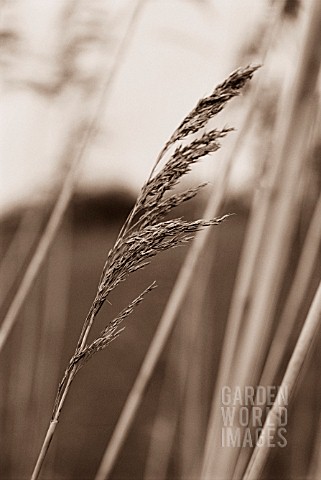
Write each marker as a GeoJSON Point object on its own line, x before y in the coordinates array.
{"type": "Point", "coordinates": [145, 233]}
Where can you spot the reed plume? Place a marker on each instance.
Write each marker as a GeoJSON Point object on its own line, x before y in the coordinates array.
{"type": "Point", "coordinates": [145, 233]}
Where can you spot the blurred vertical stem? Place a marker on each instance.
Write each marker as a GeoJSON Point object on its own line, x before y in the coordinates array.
{"type": "Point", "coordinates": [315, 465]}
{"type": "Point", "coordinates": [54, 223]}
{"type": "Point", "coordinates": [294, 136]}
{"type": "Point", "coordinates": [302, 348]}
{"type": "Point", "coordinates": [181, 387]}
{"type": "Point", "coordinates": [267, 244]}
{"type": "Point", "coordinates": [295, 298]}
{"type": "Point", "coordinates": [272, 263]}
{"type": "Point", "coordinates": [20, 246]}
{"type": "Point", "coordinates": [21, 380]}
{"type": "Point", "coordinates": [198, 353]}
{"type": "Point", "coordinates": [55, 315]}
{"type": "Point", "coordinates": [170, 402]}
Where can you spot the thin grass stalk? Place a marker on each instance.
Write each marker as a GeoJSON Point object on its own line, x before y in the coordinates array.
{"type": "Point", "coordinates": [244, 276]}
{"type": "Point", "coordinates": [275, 252]}
{"type": "Point", "coordinates": [286, 391]}
{"type": "Point", "coordinates": [21, 379]}
{"type": "Point", "coordinates": [193, 414]}
{"type": "Point", "coordinates": [241, 303]}
{"type": "Point", "coordinates": [19, 382]}
{"type": "Point", "coordinates": [301, 281]}
{"type": "Point", "coordinates": [295, 134]}
{"type": "Point", "coordinates": [30, 224]}
{"type": "Point", "coordinates": [281, 222]}
{"type": "Point", "coordinates": [162, 438]}
{"type": "Point", "coordinates": [18, 250]}
{"type": "Point", "coordinates": [286, 322]}
{"type": "Point", "coordinates": [179, 367]}
{"type": "Point", "coordinates": [172, 308]}
{"type": "Point", "coordinates": [301, 433]}
{"type": "Point", "coordinates": [42, 248]}
{"type": "Point", "coordinates": [67, 189]}
{"type": "Point", "coordinates": [231, 336]}
{"type": "Point", "coordinates": [55, 314]}
{"type": "Point", "coordinates": [315, 464]}
{"type": "Point", "coordinates": [165, 424]}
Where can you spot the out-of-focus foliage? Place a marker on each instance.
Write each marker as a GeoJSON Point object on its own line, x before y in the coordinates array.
{"type": "Point", "coordinates": [82, 31]}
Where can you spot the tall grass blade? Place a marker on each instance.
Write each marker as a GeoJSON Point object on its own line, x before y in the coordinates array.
{"type": "Point", "coordinates": [164, 429]}
{"type": "Point", "coordinates": [308, 257]}
{"type": "Point", "coordinates": [266, 249]}
{"type": "Point", "coordinates": [286, 391]}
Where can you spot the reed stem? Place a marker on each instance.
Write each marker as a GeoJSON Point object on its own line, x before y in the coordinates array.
{"type": "Point", "coordinates": [44, 449]}
{"type": "Point", "coordinates": [302, 348]}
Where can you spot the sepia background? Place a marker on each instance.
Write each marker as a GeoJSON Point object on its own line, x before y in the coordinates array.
{"type": "Point", "coordinates": [91, 91]}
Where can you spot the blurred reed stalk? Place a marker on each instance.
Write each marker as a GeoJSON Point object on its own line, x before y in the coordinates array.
{"type": "Point", "coordinates": [52, 330]}
{"type": "Point", "coordinates": [43, 322]}
{"type": "Point", "coordinates": [194, 333]}
{"type": "Point", "coordinates": [295, 298]}
{"type": "Point", "coordinates": [267, 246]}
{"type": "Point", "coordinates": [262, 330]}
{"type": "Point", "coordinates": [42, 249]}
{"type": "Point", "coordinates": [170, 402]}
{"type": "Point", "coordinates": [19, 384]}
{"type": "Point", "coordinates": [286, 390]}
{"type": "Point", "coordinates": [178, 414]}
{"type": "Point", "coordinates": [289, 320]}
{"type": "Point", "coordinates": [17, 380]}
{"type": "Point", "coordinates": [315, 464]}
{"type": "Point", "coordinates": [25, 242]}
{"type": "Point", "coordinates": [18, 251]}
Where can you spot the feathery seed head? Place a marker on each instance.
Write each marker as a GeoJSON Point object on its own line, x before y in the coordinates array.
{"type": "Point", "coordinates": [145, 233]}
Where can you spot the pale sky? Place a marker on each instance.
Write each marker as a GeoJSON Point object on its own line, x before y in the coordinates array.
{"type": "Point", "coordinates": [178, 52]}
